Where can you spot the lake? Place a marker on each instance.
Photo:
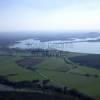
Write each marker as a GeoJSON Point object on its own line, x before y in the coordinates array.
{"type": "Point", "coordinates": [75, 45]}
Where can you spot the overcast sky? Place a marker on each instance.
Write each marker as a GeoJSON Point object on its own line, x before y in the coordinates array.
{"type": "Point", "coordinates": [49, 15]}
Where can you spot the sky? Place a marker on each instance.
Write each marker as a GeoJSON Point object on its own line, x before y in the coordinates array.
{"type": "Point", "coordinates": [49, 15]}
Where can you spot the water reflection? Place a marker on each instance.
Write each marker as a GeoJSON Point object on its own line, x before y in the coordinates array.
{"type": "Point", "coordinates": [83, 47]}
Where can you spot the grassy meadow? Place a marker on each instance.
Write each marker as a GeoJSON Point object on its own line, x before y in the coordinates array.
{"type": "Point", "coordinates": [57, 70]}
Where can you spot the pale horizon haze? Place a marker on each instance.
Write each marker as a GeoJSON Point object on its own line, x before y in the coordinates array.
{"type": "Point", "coordinates": [49, 15]}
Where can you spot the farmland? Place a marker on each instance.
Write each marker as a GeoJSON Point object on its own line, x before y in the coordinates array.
{"type": "Point", "coordinates": [56, 69]}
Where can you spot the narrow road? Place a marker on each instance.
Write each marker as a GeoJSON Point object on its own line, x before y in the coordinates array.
{"type": "Point", "coordinates": [44, 76]}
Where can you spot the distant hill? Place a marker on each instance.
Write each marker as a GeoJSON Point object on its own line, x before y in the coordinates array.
{"type": "Point", "coordinates": [10, 37]}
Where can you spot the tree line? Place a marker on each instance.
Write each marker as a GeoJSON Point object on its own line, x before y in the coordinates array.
{"type": "Point", "coordinates": [45, 88]}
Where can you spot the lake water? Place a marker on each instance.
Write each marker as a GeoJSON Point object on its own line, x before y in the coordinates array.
{"type": "Point", "coordinates": [76, 45]}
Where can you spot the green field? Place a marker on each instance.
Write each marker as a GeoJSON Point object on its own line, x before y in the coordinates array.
{"type": "Point", "coordinates": [57, 70]}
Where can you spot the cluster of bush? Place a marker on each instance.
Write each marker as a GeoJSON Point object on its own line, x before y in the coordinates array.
{"type": "Point", "coordinates": [90, 60]}
{"type": "Point", "coordinates": [45, 88]}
